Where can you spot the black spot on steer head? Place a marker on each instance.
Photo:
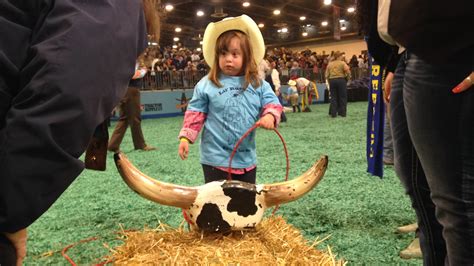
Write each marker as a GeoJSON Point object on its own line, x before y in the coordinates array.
{"type": "Point", "coordinates": [210, 219]}
{"type": "Point", "coordinates": [242, 199]}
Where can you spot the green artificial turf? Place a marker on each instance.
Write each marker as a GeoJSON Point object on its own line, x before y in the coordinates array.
{"type": "Point", "coordinates": [360, 212]}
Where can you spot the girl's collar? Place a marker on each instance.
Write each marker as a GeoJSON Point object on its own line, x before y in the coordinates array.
{"type": "Point", "coordinates": [231, 77]}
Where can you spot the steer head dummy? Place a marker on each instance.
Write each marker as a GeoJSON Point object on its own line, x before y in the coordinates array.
{"type": "Point", "coordinates": [221, 206]}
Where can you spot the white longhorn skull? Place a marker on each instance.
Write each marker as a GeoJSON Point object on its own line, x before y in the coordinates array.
{"type": "Point", "coordinates": [221, 205]}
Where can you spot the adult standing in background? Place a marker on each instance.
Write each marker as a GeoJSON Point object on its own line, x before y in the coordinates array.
{"type": "Point", "coordinates": [264, 67]}
{"type": "Point", "coordinates": [130, 113]}
{"type": "Point", "coordinates": [274, 80]}
{"type": "Point", "coordinates": [337, 73]}
{"type": "Point", "coordinates": [432, 115]}
{"type": "Point", "coordinates": [56, 86]}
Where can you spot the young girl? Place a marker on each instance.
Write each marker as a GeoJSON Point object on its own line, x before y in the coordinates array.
{"type": "Point", "coordinates": [229, 101]}
{"type": "Point", "coordinates": [293, 95]}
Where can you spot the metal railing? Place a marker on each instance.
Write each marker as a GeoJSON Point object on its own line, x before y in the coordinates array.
{"type": "Point", "coordinates": [172, 79]}
{"type": "Point", "coordinates": [180, 79]}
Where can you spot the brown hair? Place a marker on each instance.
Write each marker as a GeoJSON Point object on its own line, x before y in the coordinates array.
{"type": "Point", "coordinates": [152, 18]}
{"type": "Point", "coordinates": [249, 66]}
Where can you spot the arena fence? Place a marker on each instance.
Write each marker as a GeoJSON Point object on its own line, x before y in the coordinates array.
{"type": "Point", "coordinates": [180, 79]}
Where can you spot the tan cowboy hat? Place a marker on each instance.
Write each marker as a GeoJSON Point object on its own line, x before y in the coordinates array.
{"type": "Point", "coordinates": [242, 23]}
{"type": "Point", "coordinates": [337, 54]}
{"type": "Point", "coordinates": [292, 82]}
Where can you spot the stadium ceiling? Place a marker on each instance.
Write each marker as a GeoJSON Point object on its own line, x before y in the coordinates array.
{"type": "Point", "coordinates": [285, 29]}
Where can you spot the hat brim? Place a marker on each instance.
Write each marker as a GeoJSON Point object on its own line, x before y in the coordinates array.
{"type": "Point", "coordinates": [242, 23]}
{"type": "Point", "coordinates": [292, 83]}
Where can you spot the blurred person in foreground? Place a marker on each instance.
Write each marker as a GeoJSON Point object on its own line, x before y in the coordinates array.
{"type": "Point", "coordinates": [56, 87]}
{"type": "Point", "coordinates": [432, 116]}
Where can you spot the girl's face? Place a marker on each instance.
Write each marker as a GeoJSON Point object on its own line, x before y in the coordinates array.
{"type": "Point", "coordinates": [230, 61]}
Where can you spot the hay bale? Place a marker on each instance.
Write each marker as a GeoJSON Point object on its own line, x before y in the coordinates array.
{"type": "Point", "coordinates": [274, 242]}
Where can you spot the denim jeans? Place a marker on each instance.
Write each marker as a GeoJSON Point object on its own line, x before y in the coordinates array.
{"type": "Point", "coordinates": [433, 135]}
{"type": "Point", "coordinates": [387, 140]}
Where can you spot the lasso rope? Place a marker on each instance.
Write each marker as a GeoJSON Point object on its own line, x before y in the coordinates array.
{"type": "Point", "coordinates": [256, 125]}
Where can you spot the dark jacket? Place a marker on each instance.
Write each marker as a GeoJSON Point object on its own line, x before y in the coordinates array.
{"type": "Point", "coordinates": [64, 66]}
{"type": "Point", "coordinates": [437, 31]}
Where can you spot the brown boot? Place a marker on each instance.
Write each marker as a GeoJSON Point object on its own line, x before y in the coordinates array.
{"type": "Point", "coordinates": [413, 251]}
{"type": "Point", "coordinates": [148, 148]}
{"type": "Point", "coordinates": [407, 228]}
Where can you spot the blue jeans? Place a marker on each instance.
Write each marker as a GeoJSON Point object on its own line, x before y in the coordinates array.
{"type": "Point", "coordinates": [387, 139]}
{"type": "Point", "coordinates": [433, 135]}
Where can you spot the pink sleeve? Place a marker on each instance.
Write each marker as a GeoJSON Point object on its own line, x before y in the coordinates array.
{"type": "Point", "coordinates": [192, 124]}
{"type": "Point", "coordinates": [275, 110]}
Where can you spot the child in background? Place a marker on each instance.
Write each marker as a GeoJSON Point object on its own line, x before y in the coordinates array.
{"type": "Point", "coordinates": [229, 101]}
{"type": "Point", "coordinates": [293, 95]}
{"type": "Point", "coordinates": [306, 88]}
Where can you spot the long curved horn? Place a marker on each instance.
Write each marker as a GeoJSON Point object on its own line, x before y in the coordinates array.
{"type": "Point", "coordinates": [147, 187]}
{"type": "Point", "coordinates": [287, 191]}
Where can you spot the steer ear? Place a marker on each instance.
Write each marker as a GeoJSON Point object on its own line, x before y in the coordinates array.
{"type": "Point", "coordinates": [287, 191]}
{"type": "Point", "coordinates": [147, 187]}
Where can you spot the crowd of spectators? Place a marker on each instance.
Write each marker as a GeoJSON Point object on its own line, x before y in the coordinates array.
{"type": "Point", "coordinates": [171, 68]}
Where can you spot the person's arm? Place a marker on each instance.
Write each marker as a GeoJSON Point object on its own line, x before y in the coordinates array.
{"type": "Point", "coordinates": [153, 64]}
{"type": "Point", "coordinates": [194, 119]}
{"type": "Point", "coordinates": [193, 122]}
{"type": "Point", "coordinates": [390, 69]}
{"type": "Point", "coordinates": [18, 240]}
{"type": "Point", "coordinates": [270, 118]}
{"type": "Point", "coordinates": [271, 111]}
{"type": "Point", "coordinates": [139, 72]}
{"type": "Point", "coordinates": [276, 80]}
{"type": "Point", "coordinates": [347, 69]}
{"type": "Point", "coordinates": [25, 194]}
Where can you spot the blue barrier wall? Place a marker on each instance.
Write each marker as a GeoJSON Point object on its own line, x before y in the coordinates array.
{"type": "Point", "coordinates": [164, 103]}
{"type": "Point", "coordinates": [167, 103]}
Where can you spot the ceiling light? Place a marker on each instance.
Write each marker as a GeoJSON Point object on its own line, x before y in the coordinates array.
{"type": "Point", "coordinates": [200, 13]}
{"type": "Point", "coordinates": [351, 9]}
{"type": "Point", "coordinates": [302, 18]}
{"type": "Point", "coordinates": [308, 25]}
{"type": "Point", "coordinates": [343, 28]}
{"type": "Point", "coordinates": [174, 46]}
{"type": "Point", "coordinates": [342, 20]}
{"type": "Point", "coordinates": [284, 30]}
{"type": "Point", "coordinates": [175, 39]}
{"type": "Point", "coordinates": [276, 12]}
{"type": "Point", "coordinates": [169, 7]}
{"type": "Point", "coordinates": [324, 23]}
{"type": "Point", "coordinates": [245, 4]}
{"type": "Point", "coordinates": [304, 34]}
{"type": "Point", "coordinates": [200, 42]}
{"type": "Point", "coordinates": [279, 31]}
{"type": "Point", "coordinates": [261, 25]}
{"type": "Point", "coordinates": [327, 2]}
{"type": "Point", "coordinates": [198, 49]}
{"type": "Point", "coordinates": [177, 29]}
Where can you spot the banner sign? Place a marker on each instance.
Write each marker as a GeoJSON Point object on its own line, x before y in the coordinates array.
{"type": "Point", "coordinates": [375, 121]}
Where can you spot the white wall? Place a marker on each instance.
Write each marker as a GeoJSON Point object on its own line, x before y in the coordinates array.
{"type": "Point", "coordinates": [350, 47]}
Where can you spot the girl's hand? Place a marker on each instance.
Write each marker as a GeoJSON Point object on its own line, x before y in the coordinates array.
{"type": "Point", "coordinates": [18, 240]}
{"type": "Point", "coordinates": [465, 84]}
{"type": "Point", "coordinates": [267, 121]}
{"type": "Point", "coordinates": [183, 149]}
